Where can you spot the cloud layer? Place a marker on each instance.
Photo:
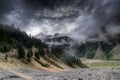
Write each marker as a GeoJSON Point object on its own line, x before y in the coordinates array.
{"type": "Point", "coordinates": [81, 19]}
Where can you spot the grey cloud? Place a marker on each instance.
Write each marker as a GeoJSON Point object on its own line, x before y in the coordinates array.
{"type": "Point", "coordinates": [5, 7]}
{"type": "Point", "coordinates": [83, 19]}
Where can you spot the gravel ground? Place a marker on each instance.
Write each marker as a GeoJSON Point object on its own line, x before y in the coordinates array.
{"type": "Point", "coordinates": [77, 74]}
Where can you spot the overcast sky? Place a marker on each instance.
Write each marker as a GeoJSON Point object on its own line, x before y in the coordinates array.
{"type": "Point", "coordinates": [82, 19]}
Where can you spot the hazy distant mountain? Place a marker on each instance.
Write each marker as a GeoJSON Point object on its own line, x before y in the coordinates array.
{"type": "Point", "coordinates": [93, 48]}
{"type": "Point", "coordinates": [55, 40]}
{"type": "Point", "coordinates": [101, 49]}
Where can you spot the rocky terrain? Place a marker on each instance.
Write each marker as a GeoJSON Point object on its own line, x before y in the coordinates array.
{"type": "Point", "coordinates": [77, 74]}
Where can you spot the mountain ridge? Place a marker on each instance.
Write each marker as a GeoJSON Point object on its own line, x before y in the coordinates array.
{"type": "Point", "coordinates": [33, 51]}
{"type": "Point", "coordinates": [94, 48]}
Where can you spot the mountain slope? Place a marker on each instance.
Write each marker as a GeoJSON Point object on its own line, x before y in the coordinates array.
{"type": "Point", "coordinates": [15, 44]}
{"type": "Point", "coordinates": [106, 49]}
{"type": "Point", "coordinates": [99, 54]}
{"type": "Point", "coordinates": [92, 48]}
{"type": "Point", "coordinates": [116, 52]}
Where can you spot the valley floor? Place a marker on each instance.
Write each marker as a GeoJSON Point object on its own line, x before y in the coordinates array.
{"type": "Point", "coordinates": [77, 74]}
{"type": "Point", "coordinates": [98, 70]}
{"type": "Point", "coordinates": [101, 63]}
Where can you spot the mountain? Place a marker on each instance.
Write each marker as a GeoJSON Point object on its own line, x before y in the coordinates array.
{"type": "Point", "coordinates": [104, 49]}
{"type": "Point", "coordinates": [93, 48]}
{"type": "Point", "coordinates": [99, 54]}
{"type": "Point", "coordinates": [17, 45]}
{"type": "Point", "coordinates": [116, 52]}
{"type": "Point", "coordinates": [56, 41]}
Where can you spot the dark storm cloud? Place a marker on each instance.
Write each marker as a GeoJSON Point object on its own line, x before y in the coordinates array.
{"type": "Point", "coordinates": [81, 18]}
{"type": "Point", "coordinates": [49, 9]}
{"type": "Point", "coordinates": [102, 19]}
{"type": "Point", "coordinates": [40, 6]}
{"type": "Point", "coordinates": [51, 4]}
{"type": "Point", "coordinates": [5, 7]}
{"type": "Point", "coordinates": [105, 11]}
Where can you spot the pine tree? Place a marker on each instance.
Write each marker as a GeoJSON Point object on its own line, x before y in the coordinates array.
{"type": "Point", "coordinates": [29, 55]}
{"type": "Point", "coordinates": [37, 56]}
{"type": "Point", "coordinates": [21, 52]}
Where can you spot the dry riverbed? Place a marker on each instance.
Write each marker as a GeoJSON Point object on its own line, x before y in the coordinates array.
{"type": "Point", "coordinates": [77, 74]}
{"type": "Point", "coordinates": [100, 70]}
